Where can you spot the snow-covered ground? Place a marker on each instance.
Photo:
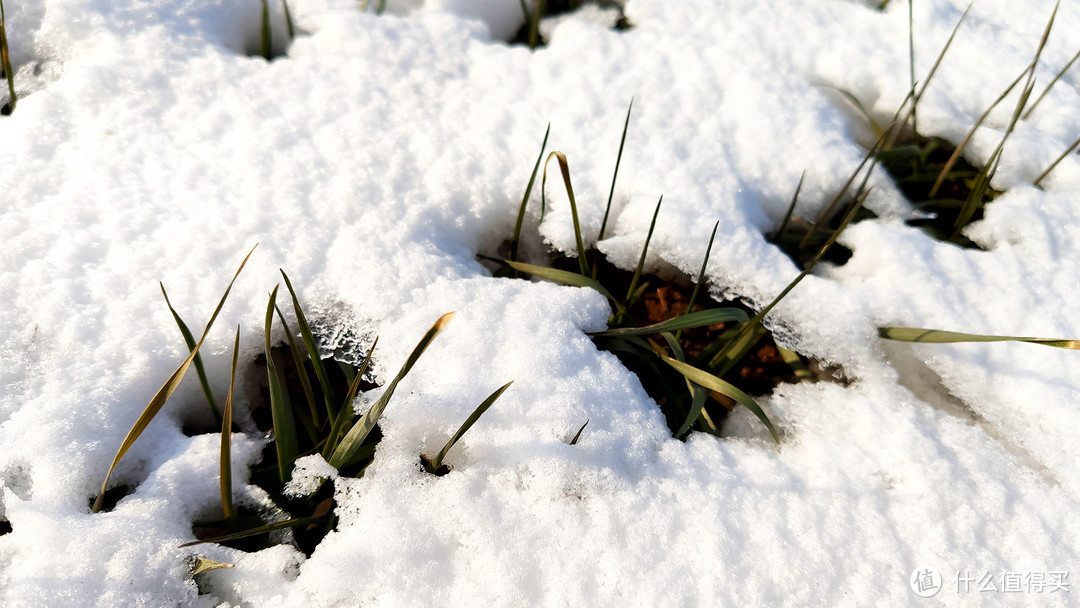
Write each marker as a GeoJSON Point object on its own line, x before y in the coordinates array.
{"type": "Point", "coordinates": [380, 154]}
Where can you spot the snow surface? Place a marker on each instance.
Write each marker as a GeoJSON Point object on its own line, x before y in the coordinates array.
{"type": "Point", "coordinates": [374, 161]}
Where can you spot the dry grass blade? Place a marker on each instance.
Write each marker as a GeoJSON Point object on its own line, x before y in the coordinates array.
{"type": "Point", "coordinates": [346, 412]}
{"type": "Point", "coordinates": [566, 278]}
{"type": "Point", "coordinates": [711, 382]}
{"type": "Point", "coordinates": [202, 564]}
{"type": "Point", "coordinates": [163, 394]}
{"type": "Point", "coordinates": [577, 435]}
{"type": "Point", "coordinates": [1054, 164]}
{"type": "Point", "coordinates": [641, 260]}
{"type": "Point", "coordinates": [281, 525]}
{"type": "Point", "coordinates": [435, 464]}
{"type": "Point", "coordinates": [227, 507]}
{"type": "Point", "coordinates": [190, 341]}
{"type": "Point", "coordinates": [5, 61]}
{"type": "Point", "coordinates": [528, 191]}
{"type": "Point", "coordinates": [565, 168]}
{"type": "Point", "coordinates": [971, 133]}
{"type": "Point", "coordinates": [285, 443]}
{"type": "Point", "coordinates": [1052, 83]}
{"type": "Point", "coordinates": [937, 336]}
{"type": "Point", "coordinates": [312, 349]}
{"type": "Point", "coordinates": [359, 432]}
{"type": "Point", "coordinates": [689, 320]}
{"type": "Point", "coordinates": [615, 176]}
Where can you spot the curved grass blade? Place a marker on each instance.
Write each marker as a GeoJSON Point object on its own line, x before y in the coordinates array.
{"type": "Point", "coordinates": [190, 341]}
{"type": "Point", "coordinates": [1043, 175]}
{"type": "Point", "coordinates": [687, 321]}
{"type": "Point", "coordinates": [565, 168]}
{"type": "Point", "coordinates": [346, 412]}
{"type": "Point", "coordinates": [577, 435]}
{"type": "Point", "coordinates": [281, 525]}
{"type": "Point", "coordinates": [937, 336]}
{"type": "Point", "coordinates": [5, 61]}
{"type": "Point", "coordinates": [528, 190]}
{"type": "Point", "coordinates": [566, 278]}
{"type": "Point", "coordinates": [1052, 83]}
{"type": "Point", "coordinates": [644, 250]}
{"type": "Point", "coordinates": [298, 361]}
{"type": "Point", "coordinates": [225, 482]}
{"type": "Point", "coordinates": [711, 382]}
{"type": "Point", "coordinates": [359, 432]}
{"type": "Point", "coordinates": [284, 426]}
{"type": "Point", "coordinates": [163, 394]}
{"type": "Point", "coordinates": [313, 350]}
{"type": "Point", "coordinates": [615, 176]}
{"type": "Point", "coordinates": [434, 465]}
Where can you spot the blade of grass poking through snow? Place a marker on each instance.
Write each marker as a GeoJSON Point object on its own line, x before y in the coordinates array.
{"type": "Point", "coordinates": [190, 341]}
{"type": "Point", "coordinates": [971, 133]}
{"type": "Point", "coordinates": [1057, 77]}
{"type": "Point", "coordinates": [701, 276]}
{"type": "Point", "coordinates": [346, 412]}
{"type": "Point", "coordinates": [313, 350]}
{"type": "Point", "coordinates": [264, 38]}
{"type": "Point", "coordinates": [689, 320]}
{"type": "Point", "coordinates": [1055, 163]}
{"type": "Point", "coordinates": [534, 27]}
{"type": "Point", "coordinates": [163, 393]}
{"type": "Point", "coordinates": [641, 260]}
{"type": "Point", "coordinates": [298, 360]}
{"type": "Point", "coordinates": [5, 61]}
{"type": "Point", "coordinates": [577, 435]}
{"type": "Point", "coordinates": [434, 465]}
{"type": "Point", "coordinates": [615, 176]}
{"type": "Point", "coordinates": [790, 210]}
{"type": "Point", "coordinates": [359, 432]}
{"type": "Point", "coordinates": [284, 427]}
{"type": "Point", "coordinates": [699, 394]}
{"type": "Point", "coordinates": [528, 191]}
{"type": "Point", "coordinates": [566, 278]}
{"type": "Point", "coordinates": [565, 168]}
{"type": "Point", "coordinates": [281, 525]}
{"type": "Point", "coordinates": [794, 362]}
{"type": "Point", "coordinates": [711, 382]}
{"type": "Point", "coordinates": [289, 27]}
{"type": "Point", "coordinates": [937, 336]}
{"type": "Point", "coordinates": [229, 512]}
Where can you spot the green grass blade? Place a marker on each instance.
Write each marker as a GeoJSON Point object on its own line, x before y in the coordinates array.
{"type": "Point", "coordinates": [1043, 175]}
{"type": "Point", "coordinates": [528, 191]}
{"type": "Point", "coordinates": [644, 250]}
{"type": "Point", "coordinates": [566, 278]}
{"type": "Point", "coordinates": [1056, 78]}
{"type": "Point", "coordinates": [615, 176]}
{"type": "Point", "coordinates": [471, 420]}
{"type": "Point", "coordinates": [937, 336]}
{"type": "Point", "coordinates": [711, 382]}
{"type": "Point", "coordinates": [911, 59]}
{"type": "Point", "coordinates": [313, 350]}
{"type": "Point", "coordinates": [281, 525]}
{"type": "Point", "coordinates": [227, 507]}
{"type": "Point", "coordinates": [795, 363]}
{"type": "Point", "coordinates": [565, 168]}
{"type": "Point", "coordinates": [790, 210]}
{"type": "Point", "coordinates": [265, 46]}
{"type": "Point", "coordinates": [301, 372]}
{"type": "Point", "coordinates": [359, 432]}
{"type": "Point", "coordinates": [190, 341]}
{"type": "Point", "coordinates": [701, 275]}
{"type": "Point", "coordinates": [289, 27]}
{"type": "Point", "coordinates": [346, 412]}
{"type": "Point", "coordinates": [284, 426]}
{"type": "Point", "coordinates": [534, 27]}
{"type": "Point", "coordinates": [577, 435]}
{"type": "Point", "coordinates": [5, 61]}
{"type": "Point", "coordinates": [689, 320]}
{"type": "Point", "coordinates": [163, 394]}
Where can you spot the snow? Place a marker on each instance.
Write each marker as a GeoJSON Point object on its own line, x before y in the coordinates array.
{"type": "Point", "coordinates": [372, 163]}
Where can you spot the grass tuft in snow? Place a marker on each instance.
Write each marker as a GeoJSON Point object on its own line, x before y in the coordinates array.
{"type": "Point", "coordinates": [435, 465]}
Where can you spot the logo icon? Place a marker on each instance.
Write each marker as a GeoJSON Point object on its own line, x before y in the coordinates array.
{"type": "Point", "coordinates": [925, 581]}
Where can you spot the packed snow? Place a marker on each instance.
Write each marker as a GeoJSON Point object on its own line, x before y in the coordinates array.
{"type": "Point", "coordinates": [379, 155]}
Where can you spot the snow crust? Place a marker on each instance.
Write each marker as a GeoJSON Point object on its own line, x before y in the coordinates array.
{"type": "Point", "coordinates": [380, 154]}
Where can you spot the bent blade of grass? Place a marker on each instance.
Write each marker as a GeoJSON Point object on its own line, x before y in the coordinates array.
{"type": "Point", "coordinates": [298, 360]}
{"type": "Point", "coordinates": [528, 191]}
{"type": "Point", "coordinates": [312, 349]}
{"type": "Point", "coordinates": [698, 393]}
{"type": "Point", "coordinates": [641, 260]}
{"type": "Point", "coordinates": [471, 420]}
{"type": "Point", "coordinates": [687, 321]}
{"type": "Point", "coordinates": [565, 168]}
{"type": "Point", "coordinates": [281, 525]}
{"type": "Point", "coordinates": [971, 133]}
{"type": "Point", "coordinates": [5, 60]}
{"type": "Point", "coordinates": [615, 176]}
{"type": "Point", "coordinates": [359, 432]}
{"type": "Point", "coordinates": [937, 336]}
{"type": "Point", "coordinates": [227, 508]}
{"type": "Point", "coordinates": [190, 341]}
{"type": "Point", "coordinates": [711, 382]}
{"type": "Point", "coordinates": [346, 412]}
{"type": "Point", "coordinates": [1054, 164]}
{"type": "Point", "coordinates": [577, 435]}
{"type": "Point", "coordinates": [566, 278]}
{"type": "Point", "coordinates": [284, 426]}
{"type": "Point", "coordinates": [163, 393]}
{"type": "Point", "coordinates": [1052, 83]}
